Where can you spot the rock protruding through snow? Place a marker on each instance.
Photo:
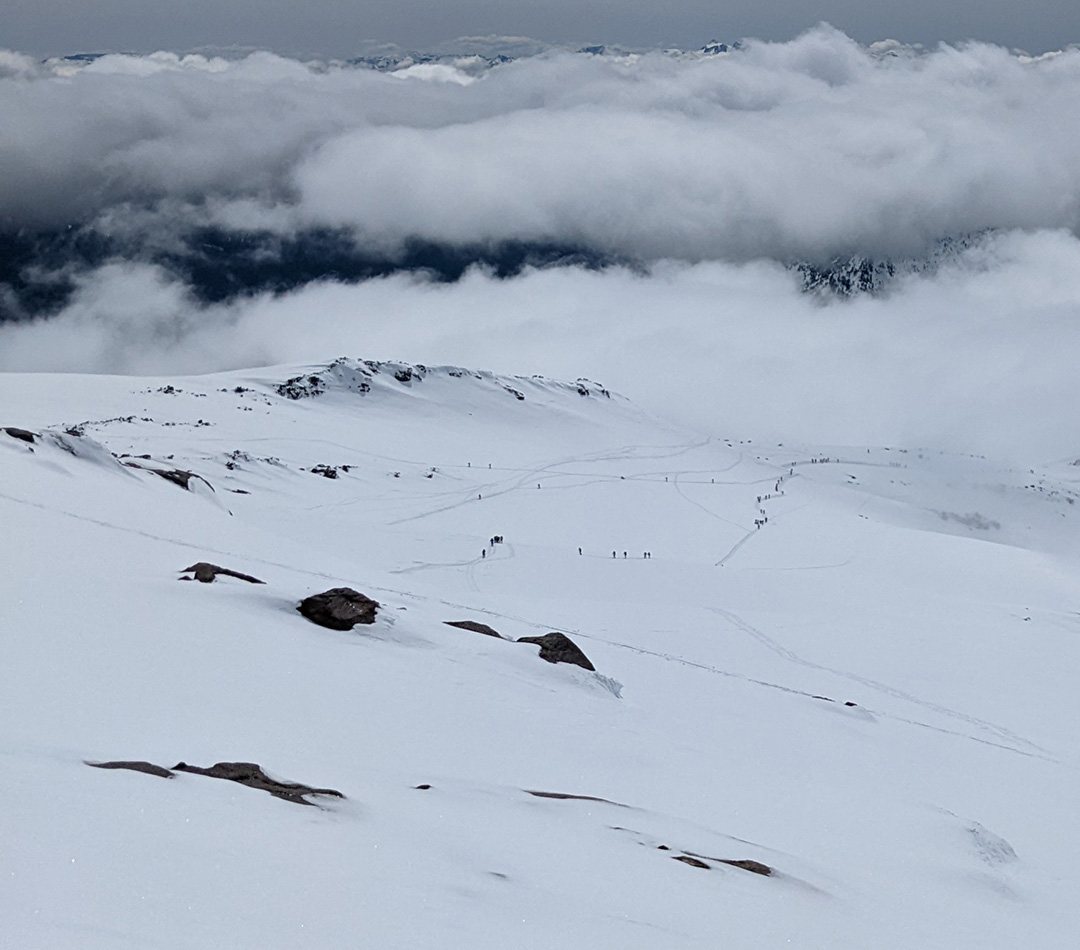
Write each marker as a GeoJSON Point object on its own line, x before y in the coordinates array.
{"type": "Point", "coordinates": [559, 648]}
{"type": "Point", "coordinates": [700, 861]}
{"type": "Point", "coordinates": [205, 572]}
{"type": "Point", "coordinates": [23, 435]}
{"type": "Point", "coordinates": [245, 773]}
{"type": "Point", "coordinates": [175, 475]}
{"type": "Point", "coordinates": [340, 608]}
{"type": "Point", "coordinates": [476, 627]}
{"type": "Point", "coordinates": [148, 767]}
{"type": "Point", "coordinates": [251, 775]}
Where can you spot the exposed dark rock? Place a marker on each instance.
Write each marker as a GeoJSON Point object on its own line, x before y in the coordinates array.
{"type": "Point", "coordinates": [341, 608]}
{"type": "Point", "coordinates": [206, 573]}
{"type": "Point", "coordinates": [148, 767]}
{"type": "Point", "coordinates": [301, 387]}
{"type": "Point", "coordinates": [755, 867]}
{"type": "Point", "coordinates": [566, 796]}
{"type": "Point", "coordinates": [174, 475]}
{"type": "Point", "coordinates": [475, 626]}
{"type": "Point", "coordinates": [693, 862]}
{"type": "Point", "coordinates": [246, 773]}
{"type": "Point", "coordinates": [744, 864]}
{"type": "Point", "coordinates": [559, 648]}
{"type": "Point", "coordinates": [846, 277]}
{"type": "Point", "coordinates": [23, 435]}
{"type": "Point", "coordinates": [422, 788]}
{"type": "Point", "coordinates": [584, 390]}
{"type": "Point", "coordinates": [251, 775]}
{"type": "Point", "coordinates": [330, 471]}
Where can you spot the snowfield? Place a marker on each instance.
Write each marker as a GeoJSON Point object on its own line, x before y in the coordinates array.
{"type": "Point", "coordinates": [872, 693]}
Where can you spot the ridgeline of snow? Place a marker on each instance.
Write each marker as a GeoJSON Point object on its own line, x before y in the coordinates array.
{"type": "Point", "coordinates": [872, 693]}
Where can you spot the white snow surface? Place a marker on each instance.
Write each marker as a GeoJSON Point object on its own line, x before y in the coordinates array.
{"type": "Point", "coordinates": [873, 693]}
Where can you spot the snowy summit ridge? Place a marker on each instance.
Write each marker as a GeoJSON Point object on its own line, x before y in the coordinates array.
{"type": "Point", "coordinates": [359, 376]}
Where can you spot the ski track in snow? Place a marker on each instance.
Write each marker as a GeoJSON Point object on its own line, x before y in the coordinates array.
{"type": "Point", "coordinates": [999, 731]}
{"type": "Point", "coordinates": [470, 566]}
{"type": "Point", "coordinates": [1032, 751]}
{"type": "Point", "coordinates": [522, 479]}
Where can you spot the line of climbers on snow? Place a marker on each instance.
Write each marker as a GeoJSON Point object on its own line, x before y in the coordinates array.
{"type": "Point", "coordinates": [763, 515]}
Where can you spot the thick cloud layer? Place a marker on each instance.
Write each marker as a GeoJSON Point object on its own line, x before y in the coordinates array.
{"type": "Point", "coordinates": [164, 214]}
{"type": "Point", "coordinates": [808, 149]}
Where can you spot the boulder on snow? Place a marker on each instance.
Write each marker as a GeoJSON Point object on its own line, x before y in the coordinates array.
{"type": "Point", "coordinates": [206, 572]}
{"type": "Point", "coordinates": [475, 626]}
{"type": "Point", "coordinates": [23, 435]}
{"type": "Point", "coordinates": [341, 608]}
{"type": "Point", "coordinates": [251, 775]}
{"type": "Point", "coordinates": [559, 648]}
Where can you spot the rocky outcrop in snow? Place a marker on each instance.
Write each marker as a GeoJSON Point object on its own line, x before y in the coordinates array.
{"type": "Point", "coordinates": [244, 773]}
{"type": "Point", "coordinates": [559, 648]}
{"type": "Point", "coordinates": [363, 376]}
{"type": "Point", "coordinates": [341, 608]}
{"type": "Point", "coordinates": [23, 435]}
{"type": "Point", "coordinates": [475, 626]}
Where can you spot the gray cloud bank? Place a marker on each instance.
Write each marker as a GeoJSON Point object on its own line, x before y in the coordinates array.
{"type": "Point", "coordinates": [706, 174]}
{"type": "Point", "coordinates": [801, 150]}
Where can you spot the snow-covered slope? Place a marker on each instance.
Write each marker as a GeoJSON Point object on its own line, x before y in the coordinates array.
{"type": "Point", "coordinates": [871, 693]}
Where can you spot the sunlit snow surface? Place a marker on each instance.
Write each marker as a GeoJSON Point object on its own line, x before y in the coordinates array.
{"type": "Point", "coordinates": [936, 593]}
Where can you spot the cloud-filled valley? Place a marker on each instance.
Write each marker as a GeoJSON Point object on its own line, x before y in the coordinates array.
{"type": "Point", "coordinates": [632, 217]}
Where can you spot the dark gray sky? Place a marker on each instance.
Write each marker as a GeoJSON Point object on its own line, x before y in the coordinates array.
{"type": "Point", "coordinates": [336, 28]}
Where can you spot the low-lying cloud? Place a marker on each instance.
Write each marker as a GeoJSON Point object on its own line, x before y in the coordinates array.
{"type": "Point", "coordinates": [173, 214]}
{"type": "Point", "coordinates": [978, 356]}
